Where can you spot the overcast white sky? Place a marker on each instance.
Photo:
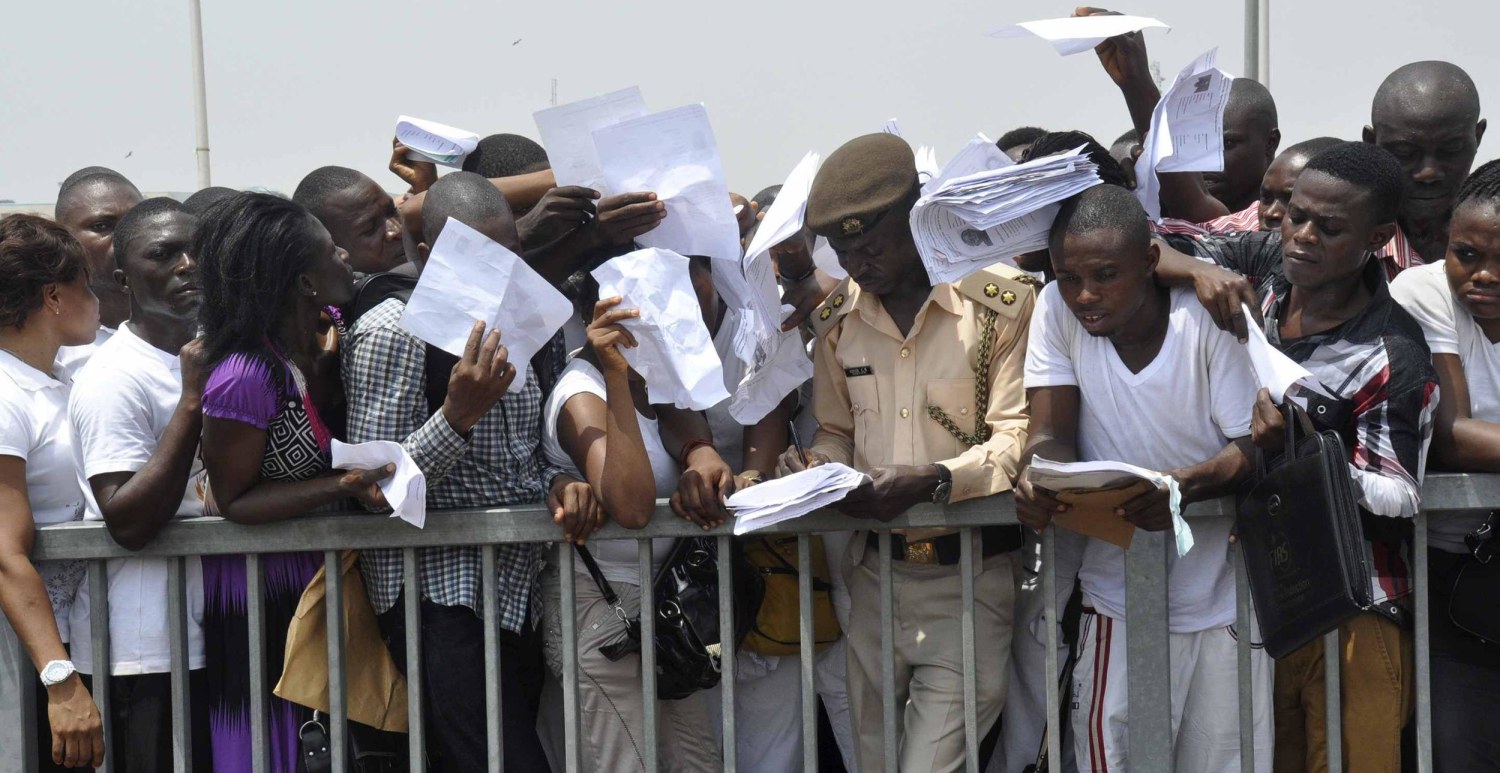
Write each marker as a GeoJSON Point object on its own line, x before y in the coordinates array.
{"type": "Point", "coordinates": [294, 84]}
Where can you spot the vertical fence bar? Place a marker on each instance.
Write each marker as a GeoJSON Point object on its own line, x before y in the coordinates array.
{"type": "Point", "coordinates": [338, 707]}
{"type": "Point", "coordinates": [416, 734]}
{"type": "Point", "coordinates": [887, 653]}
{"type": "Point", "coordinates": [1054, 629]}
{"type": "Point", "coordinates": [808, 637]}
{"type": "Point", "coordinates": [17, 707]}
{"type": "Point", "coordinates": [1243, 628]}
{"type": "Point", "coordinates": [971, 698]}
{"type": "Point", "coordinates": [177, 627]}
{"type": "Point", "coordinates": [727, 639]}
{"type": "Point", "coordinates": [255, 620]}
{"type": "Point", "coordinates": [98, 580]}
{"type": "Point", "coordinates": [1333, 700]}
{"type": "Point", "coordinates": [1423, 644]}
{"type": "Point", "coordinates": [1148, 663]}
{"type": "Point", "coordinates": [568, 580]}
{"type": "Point", "coordinates": [648, 653]}
{"type": "Point", "coordinates": [490, 584]}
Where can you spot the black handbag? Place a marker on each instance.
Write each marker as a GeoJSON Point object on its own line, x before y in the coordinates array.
{"type": "Point", "coordinates": [1471, 607]}
{"type": "Point", "coordinates": [1301, 539]}
{"type": "Point", "coordinates": [686, 595]}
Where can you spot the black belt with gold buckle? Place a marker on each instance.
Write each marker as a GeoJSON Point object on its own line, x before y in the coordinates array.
{"type": "Point", "coordinates": [947, 550]}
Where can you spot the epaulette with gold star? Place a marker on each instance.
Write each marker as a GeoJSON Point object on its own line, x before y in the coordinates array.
{"type": "Point", "coordinates": [999, 287]}
{"type": "Point", "coordinates": [827, 314]}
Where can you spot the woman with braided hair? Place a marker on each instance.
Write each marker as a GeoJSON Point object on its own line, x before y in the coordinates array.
{"type": "Point", "coordinates": [1457, 302]}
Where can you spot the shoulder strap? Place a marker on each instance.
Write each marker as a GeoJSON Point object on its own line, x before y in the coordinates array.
{"type": "Point", "coordinates": [610, 597]}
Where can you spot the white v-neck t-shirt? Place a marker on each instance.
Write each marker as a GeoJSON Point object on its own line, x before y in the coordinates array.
{"type": "Point", "coordinates": [1449, 329]}
{"type": "Point", "coordinates": [34, 428]}
{"type": "Point", "coordinates": [122, 402]}
{"type": "Point", "coordinates": [1180, 410]}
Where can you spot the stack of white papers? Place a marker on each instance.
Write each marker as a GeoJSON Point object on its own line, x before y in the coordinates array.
{"type": "Point", "coordinates": [982, 208]}
{"type": "Point", "coordinates": [1187, 129]}
{"type": "Point", "coordinates": [1064, 477]}
{"type": "Point", "coordinates": [405, 490]}
{"type": "Point", "coordinates": [435, 142]}
{"type": "Point", "coordinates": [1077, 34]}
{"type": "Point", "coordinates": [675, 354]}
{"type": "Point", "coordinates": [470, 277]}
{"type": "Point", "coordinates": [795, 495]}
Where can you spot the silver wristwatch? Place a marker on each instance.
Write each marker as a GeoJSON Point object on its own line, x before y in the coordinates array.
{"type": "Point", "coordinates": [57, 672]}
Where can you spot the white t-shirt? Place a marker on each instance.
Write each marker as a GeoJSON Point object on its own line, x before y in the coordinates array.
{"type": "Point", "coordinates": [1449, 329]}
{"type": "Point", "coordinates": [71, 359]}
{"type": "Point", "coordinates": [616, 558]}
{"type": "Point", "coordinates": [34, 427]}
{"type": "Point", "coordinates": [1180, 410]}
{"type": "Point", "coordinates": [122, 401]}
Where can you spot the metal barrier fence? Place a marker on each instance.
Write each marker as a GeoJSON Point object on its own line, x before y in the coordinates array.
{"type": "Point", "coordinates": [1150, 732]}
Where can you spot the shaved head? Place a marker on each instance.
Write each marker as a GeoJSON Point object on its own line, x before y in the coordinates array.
{"type": "Point", "coordinates": [1251, 137]}
{"type": "Point", "coordinates": [473, 201]}
{"type": "Point", "coordinates": [1427, 115]}
{"type": "Point", "coordinates": [1250, 102]}
{"type": "Point", "coordinates": [1427, 88]}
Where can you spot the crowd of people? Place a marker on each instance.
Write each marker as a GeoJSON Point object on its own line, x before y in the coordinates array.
{"type": "Point", "coordinates": [163, 360]}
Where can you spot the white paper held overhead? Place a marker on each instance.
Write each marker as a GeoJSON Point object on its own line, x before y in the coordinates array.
{"type": "Point", "coordinates": [1187, 129]}
{"type": "Point", "coordinates": [1075, 35]}
{"type": "Point", "coordinates": [471, 278]}
{"type": "Point", "coordinates": [435, 142]}
{"type": "Point", "coordinates": [673, 154]}
{"type": "Point", "coordinates": [675, 354]}
{"type": "Point", "coordinates": [568, 134]}
{"type": "Point", "coordinates": [405, 490]}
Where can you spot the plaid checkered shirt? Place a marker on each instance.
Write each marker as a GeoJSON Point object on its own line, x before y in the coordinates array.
{"type": "Point", "coordinates": [500, 463]}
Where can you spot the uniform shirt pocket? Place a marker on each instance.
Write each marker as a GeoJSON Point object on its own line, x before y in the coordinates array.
{"type": "Point", "coordinates": [864, 407]}
{"type": "Point", "coordinates": [955, 398]}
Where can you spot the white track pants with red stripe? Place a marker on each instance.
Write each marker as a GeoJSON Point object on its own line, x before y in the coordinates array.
{"type": "Point", "coordinates": [1205, 700]}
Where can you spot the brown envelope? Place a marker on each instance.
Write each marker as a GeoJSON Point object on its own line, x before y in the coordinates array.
{"type": "Point", "coordinates": [1093, 512]}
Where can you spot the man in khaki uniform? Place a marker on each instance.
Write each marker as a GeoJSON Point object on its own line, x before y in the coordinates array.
{"type": "Point", "coordinates": [920, 387]}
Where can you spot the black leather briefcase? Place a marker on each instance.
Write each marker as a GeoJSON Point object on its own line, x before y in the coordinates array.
{"type": "Point", "coordinates": [1301, 539]}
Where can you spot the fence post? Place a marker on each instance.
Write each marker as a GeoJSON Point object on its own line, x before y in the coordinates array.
{"type": "Point", "coordinates": [1148, 663]}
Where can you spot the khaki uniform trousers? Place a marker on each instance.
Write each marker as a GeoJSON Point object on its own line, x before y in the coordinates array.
{"type": "Point", "coordinates": [928, 650]}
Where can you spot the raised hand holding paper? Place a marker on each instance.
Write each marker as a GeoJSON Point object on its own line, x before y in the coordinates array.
{"type": "Point", "coordinates": [435, 142]}
{"type": "Point", "coordinates": [675, 354]}
{"type": "Point", "coordinates": [1187, 128]}
{"type": "Point", "coordinates": [1074, 35]}
{"type": "Point", "coordinates": [470, 277]}
{"type": "Point", "coordinates": [405, 491]}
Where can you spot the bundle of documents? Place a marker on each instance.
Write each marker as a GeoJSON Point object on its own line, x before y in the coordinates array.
{"type": "Point", "coordinates": [435, 142]}
{"type": "Point", "coordinates": [1187, 129]}
{"type": "Point", "coordinates": [792, 496]}
{"type": "Point", "coordinates": [405, 490]}
{"type": "Point", "coordinates": [471, 278]}
{"type": "Point", "coordinates": [982, 209]}
{"type": "Point", "coordinates": [1095, 489]}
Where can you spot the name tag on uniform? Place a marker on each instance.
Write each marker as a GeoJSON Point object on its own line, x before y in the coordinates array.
{"type": "Point", "coordinates": [863, 370]}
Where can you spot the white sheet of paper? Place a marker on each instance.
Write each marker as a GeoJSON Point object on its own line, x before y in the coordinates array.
{"type": "Point", "coordinates": [1187, 129]}
{"type": "Point", "coordinates": [891, 127]}
{"type": "Point", "coordinates": [784, 218]}
{"type": "Point", "coordinates": [405, 490]}
{"type": "Point", "coordinates": [1075, 35]}
{"type": "Point", "coordinates": [435, 142]}
{"type": "Point", "coordinates": [792, 496]}
{"type": "Point", "coordinates": [676, 355]}
{"type": "Point", "coordinates": [927, 163]}
{"type": "Point", "coordinates": [1275, 371]}
{"type": "Point", "coordinates": [470, 277]}
{"type": "Point", "coordinates": [1088, 476]}
{"type": "Point", "coordinates": [568, 134]}
{"type": "Point", "coordinates": [674, 155]}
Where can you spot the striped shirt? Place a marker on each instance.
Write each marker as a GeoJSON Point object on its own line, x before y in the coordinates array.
{"type": "Point", "coordinates": [1397, 255]}
{"type": "Point", "coordinates": [1379, 370]}
{"type": "Point", "coordinates": [1247, 219]}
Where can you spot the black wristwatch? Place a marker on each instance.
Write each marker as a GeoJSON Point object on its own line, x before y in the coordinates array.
{"type": "Point", "coordinates": [944, 487]}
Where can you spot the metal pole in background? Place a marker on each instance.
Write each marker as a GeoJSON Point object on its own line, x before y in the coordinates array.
{"type": "Point", "coordinates": [200, 92]}
{"type": "Point", "coordinates": [1258, 41]}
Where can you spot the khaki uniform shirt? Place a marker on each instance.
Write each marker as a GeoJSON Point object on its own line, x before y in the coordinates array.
{"type": "Point", "coordinates": [872, 386]}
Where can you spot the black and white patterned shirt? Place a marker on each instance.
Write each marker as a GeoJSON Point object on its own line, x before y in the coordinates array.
{"type": "Point", "coordinates": [499, 464]}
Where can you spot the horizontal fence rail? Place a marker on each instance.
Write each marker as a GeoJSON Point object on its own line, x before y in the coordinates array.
{"type": "Point", "coordinates": [1146, 572]}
